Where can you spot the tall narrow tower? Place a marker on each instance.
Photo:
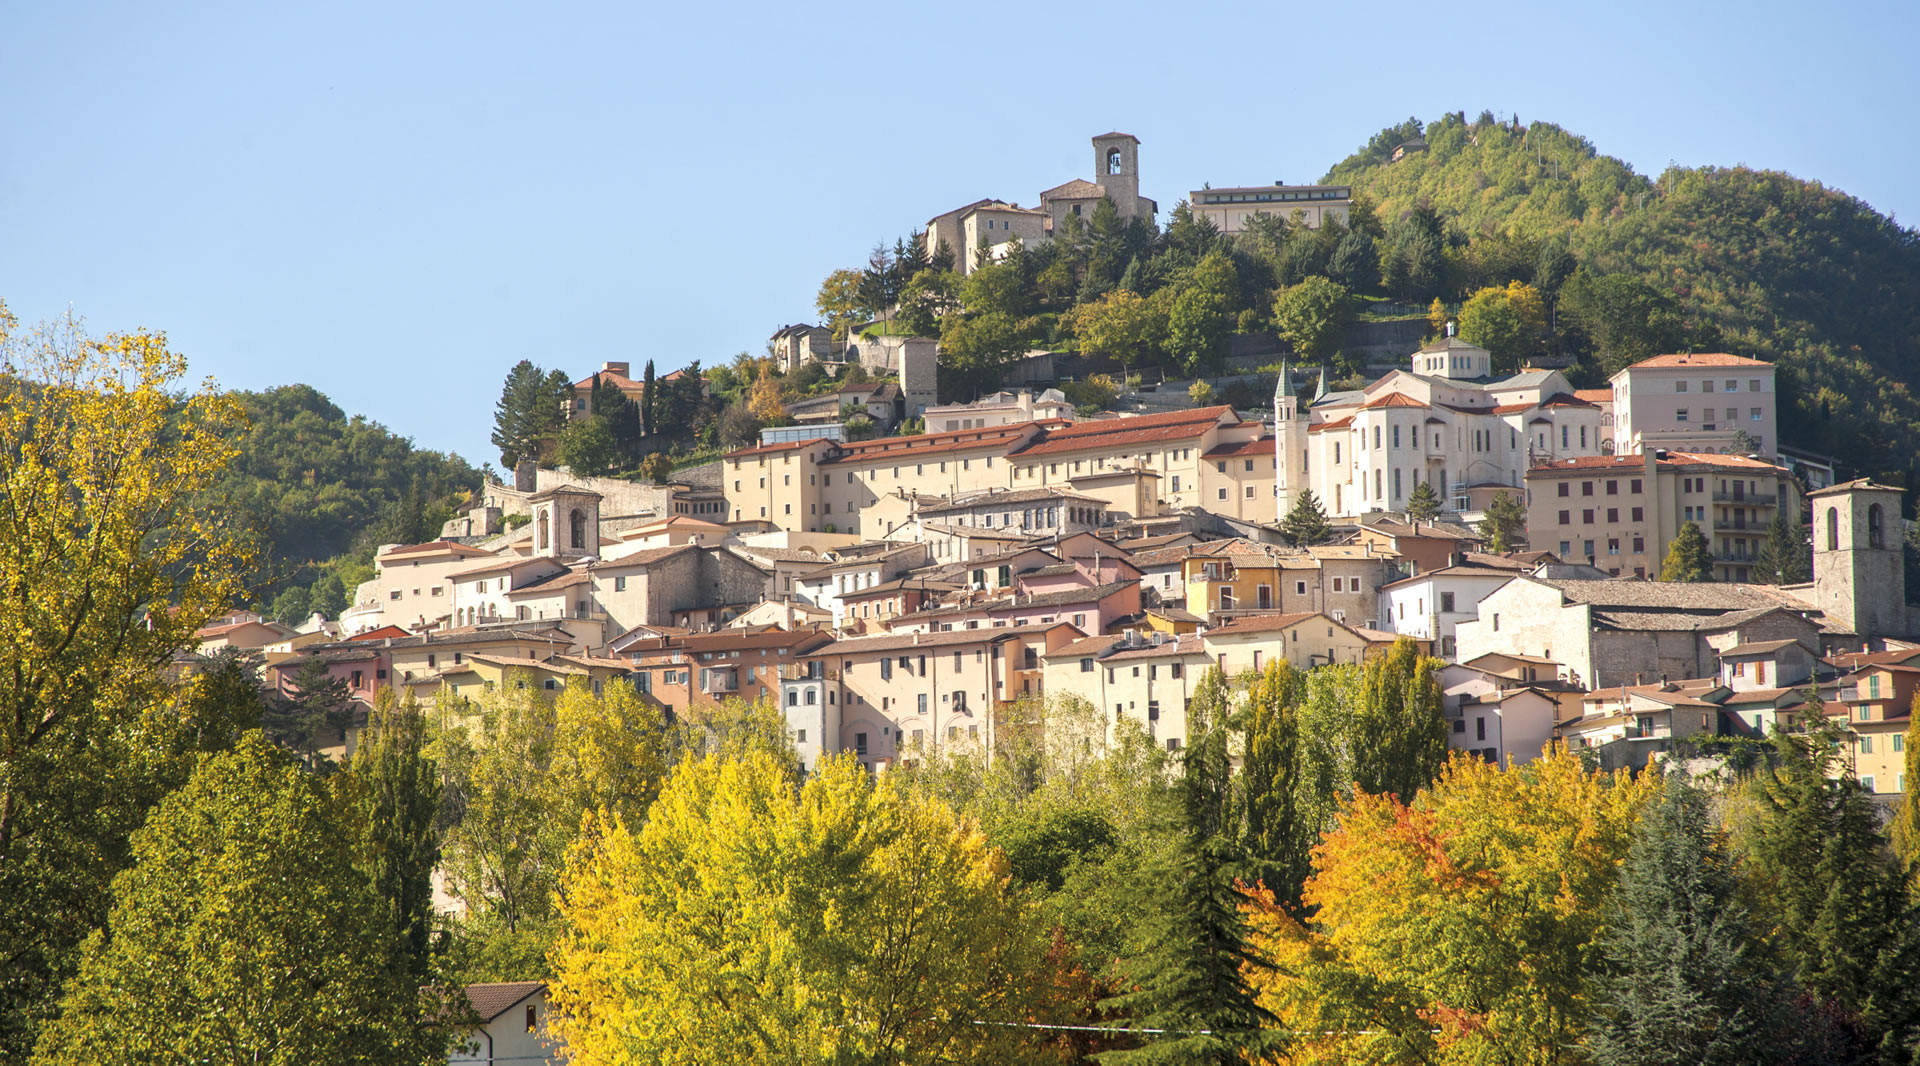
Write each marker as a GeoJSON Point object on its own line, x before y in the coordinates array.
{"type": "Point", "coordinates": [1859, 575]}
{"type": "Point", "coordinates": [1116, 165]}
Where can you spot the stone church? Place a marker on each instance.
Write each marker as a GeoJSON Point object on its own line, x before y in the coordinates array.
{"type": "Point", "coordinates": [980, 232]}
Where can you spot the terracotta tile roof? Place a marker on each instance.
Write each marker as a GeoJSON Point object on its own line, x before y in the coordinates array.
{"type": "Point", "coordinates": [1265, 623]}
{"type": "Point", "coordinates": [1340, 423]}
{"type": "Point", "coordinates": [910, 449]}
{"type": "Point", "coordinates": [644, 557]}
{"type": "Point", "coordinates": [1160, 556]}
{"type": "Point", "coordinates": [769, 449]}
{"type": "Point", "coordinates": [493, 1000]}
{"type": "Point", "coordinates": [434, 546]}
{"type": "Point", "coordinates": [1594, 396]}
{"type": "Point", "coordinates": [504, 562]}
{"type": "Point", "coordinates": [1715, 459]}
{"type": "Point", "coordinates": [1561, 399]}
{"type": "Point", "coordinates": [996, 497]}
{"type": "Point", "coordinates": [1187, 644]}
{"type": "Point", "coordinates": [542, 586]}
{"type": "Point", "coordinates": [1392, 399]}
{"type": "Point", "coordinates": [1077, 189]}
{"type": "Point", "coordinates": [1127, 432]}
{"type": "Point", "coordinates": [1256, 446]}
{"type": "Point", "coordinates": [1081, 649]}
{"type": "Point", "coordinates": [1715, 359]}
{"type": "Point", "coordinates": [1763, 647]}
{"type": "Point", "coordinates": [889, 642]}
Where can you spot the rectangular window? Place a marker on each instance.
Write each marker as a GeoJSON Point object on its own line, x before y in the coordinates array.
{"type": "Point", "coordinates": [1679, 386]}
{"type": "Point", "coordinates": [620, 583]}
{"type": "Point", "coordinates": [1753, 413]}
{"type": "Point", "coordinates": [1680, 415]}
{"type": "Point", "coordinates": [1566, 488]}
{"type": "Point", "coordinates": [1866, 745]}
{"type": "Point", "coordinates": [1613, 488]}
{"type": "Point", "coordinates": [1613, 514]}
{"type": "Point", "coordinates": [1637, 513]}
{"type": "Point", "coordinates": [1586, 516]}
{"type": "Point", "coordinates": [1566, 518]}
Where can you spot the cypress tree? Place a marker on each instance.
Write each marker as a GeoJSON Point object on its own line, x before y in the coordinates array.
{"type": "Point", "coordinates": [1189, 980]}
{"type": "Point", "coordinates": [648, 403]}
{"type": "Point", "coordinates": [1682, 981]}
{"type": "Point", "coordinates": [1689, 558]}
{"type": "Point", "coordinates": [1306, 523]}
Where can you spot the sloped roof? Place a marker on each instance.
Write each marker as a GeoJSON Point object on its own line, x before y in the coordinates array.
{"type": "Point", "coordinates": [490, 1001]}
{"type": "Point", "coordinates": [1701, 359]}
{"type": "Point", "coordinates": [1077, 189]}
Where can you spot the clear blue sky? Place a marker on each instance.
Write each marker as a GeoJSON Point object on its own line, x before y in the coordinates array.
{"type": "Point", "coordinates": [396, 202]}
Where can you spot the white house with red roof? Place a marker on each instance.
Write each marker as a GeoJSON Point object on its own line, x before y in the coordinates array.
{"type": "Point", "coordinates": [1696, 402]}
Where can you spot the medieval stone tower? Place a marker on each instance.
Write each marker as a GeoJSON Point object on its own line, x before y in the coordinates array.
{"type": "Point", "coordinates": [566, 523]}
{"type": "Point", "coordinates": [1859, 576]}
{"type": "Point", "coordinates": [1116, 166]}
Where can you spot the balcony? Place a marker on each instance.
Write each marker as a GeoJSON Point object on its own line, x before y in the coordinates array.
{"type": "Point", "coordinates": [1751, 500]}
{"type": "Point", "coordinates": [814, 671]}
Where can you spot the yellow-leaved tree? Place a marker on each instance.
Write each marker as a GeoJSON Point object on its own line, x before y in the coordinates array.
{"type": "Point", "coordinates": [1460, 929]}
{"type": "Point", "coordinates": [111, 554]}
{"type": "Point", "coordinates": [755, 919]}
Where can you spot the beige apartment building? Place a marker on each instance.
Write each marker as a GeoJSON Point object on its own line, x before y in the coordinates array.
{"type": "Point", "coordinates": [1695, 403]}
{"type": "Point", "coordinates": [888, 697]}
{"type": "Point", "coordinates": [1148, 678]}
{"type": "Point", "coordinates": [1207, 457]}
{"type": "Point", "coordinates": [1621, 512]}
{"type": "Point", "coordinates": [411, 585]}
{"type": "Point", "coordinates": [1312, 206]}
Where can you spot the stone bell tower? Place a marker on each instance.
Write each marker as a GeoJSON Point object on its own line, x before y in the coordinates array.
{"type": "Point", "coordinates": [1116, 165]}
{"type": "Point", "coordinates": [566, 523]}
{"type": "Point", "coordinates": [1859, 574]}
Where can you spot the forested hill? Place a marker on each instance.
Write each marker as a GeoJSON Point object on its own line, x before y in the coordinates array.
{"type": "Point", "coordinates": [323, 489]}
{"type": "Point", "coordinates": [1759, 263]}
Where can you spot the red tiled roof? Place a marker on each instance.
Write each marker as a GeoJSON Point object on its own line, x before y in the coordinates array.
{"type": "Point", "coordinates": [1127, 432]}
{"type": "Point", "coordinates": [435, 545]}
{"type": "Point", "coordinates": [766, 449]}
{"type": "Point", "coordinates": [1263, 623]}
{"type": "Point", "coordinates": [1698, 359]}
{"type": "Point", "coordinates": [1337, 424]}
{"type": "Point", "coordinates": [908, 449]}
{"type": "Point", "coordinates": [1594, 396]}
{"type": "Point", "coordinates": [1256, 446]}
{"type": "Point", "coordinates": [1392, 399]}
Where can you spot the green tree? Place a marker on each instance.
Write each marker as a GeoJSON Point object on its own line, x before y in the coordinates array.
{"type": "Point", "coordinates": [1306, 524]}
{"type": "Point", "coordinates": [396, 789]}
{"type": "Point", "coordinates": [1313, 316]}
{"type": "Point", "coordinates": [1191, 976]}
{"type": "Point", "coordinates": [929, 297]}
{"type": "Point", "coordinates": [649, 402]}
{"type": "Point", "coordinates": [1277, 834]}
{"type": "Point", "coordinates": [1505, 520]}
{"type": "Point", "coordinates": [318, 708]}
{"type": "Point", "coordinates": [293, 606]}
{"type": "Point", "coordinates": [1906, 821]}
{"type": "Point", "coordinates": [1785, 557]}
{"type": "Point", "coordinates": [329, 596]}
{"type": "Point", "coordinates": [1122, 325]}
{"type": "Point", "coordinates": [204, 959]}
{"type": "Point", "coordinates": [839, 301]}
{"type": "Point", "coordinates": [1201, 316]}
{"type": "Point", "coordinates": [1842, 898]}
{"type": "Point", "coordinates": [1355, 262]}
{"type": "Point", "coordinates": [976, 350]}
{"type": "Point", "coordinates": [1622, 318]}
{"type": "Point", "coordinates": [1399, 741]}
{"type": "Point", "coordinates": [1683, 979]}
{"type": "Point", "coordinates": [1508, 321]}
{"type": "Point", "coordinates": [529, 412]}
{"type": "Point", "coordinates": [587, 446]}
{"type": "Point", "coordinates": [1689, 558]}
{"type": "Point", "coordinates": [1423, 503]}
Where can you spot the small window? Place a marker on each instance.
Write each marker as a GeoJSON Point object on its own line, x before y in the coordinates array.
{"type": "Point", "coordinates": [533, 1017]}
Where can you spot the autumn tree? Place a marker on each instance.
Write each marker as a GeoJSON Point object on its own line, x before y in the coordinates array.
{"type": "Point", "coordinates": [839, 300]}
{"type": "Point", "coordinates": [1423, 503]}
{"type": "Point", "coordinates": [722, 929]}
{"type": "Point", "coordinates": [1682, 976]}
{"type": "Point", "coordinates": [1503, 523]}
{"type": "Point", "coordinates": [113, 550]}
{"type": "Point", "coordinates": [1401, 962]}
{"type": "Point", "coordinates": [1313, 316]}
{"type": "Point", "coordinates": [764, 401]}
{"type": "Point", "coordinates": [1688, 558]}
{"type": "Point", "coordinates": [204, 959]}
{"type": "Point", "coordinates": [1306, 524]}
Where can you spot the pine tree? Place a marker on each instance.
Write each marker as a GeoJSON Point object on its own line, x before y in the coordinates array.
{"type": "Point", "coordinates": [1689, 558]}
{"type": "Point", "coordinates": [1423, 504]}
{"type": "Point", "coordinates": [1190, 979]}
{"type": "Point", "coordinates": [1845, 916]}
{"type": "Point", "coordinates": [1504, 520]}
{"type": "Point", "coordinates": [1783, 557]}
{"type": "Point", "coordinates": [1306, 523]}
{"type": "Point", "coordinates": [1682, 980]}
{"type": "Point", "coordinates": [318, 705]}
{"type": "Point", "coordinates": [527, 412]}
{"type": "Point", "coordinates": [397, 789]}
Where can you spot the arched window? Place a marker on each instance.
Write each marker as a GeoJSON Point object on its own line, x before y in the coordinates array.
{"type": "Point", "coordinates": [577, 524]}
{"type": "Point", "coordinates": [543, 530]}
{"type": "Point", "coordinates": [1833, 529]}
{"type": "Point", "coordinates": [1874, 536]}
{"type": "Point", "coordinates": [1114, 163]}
